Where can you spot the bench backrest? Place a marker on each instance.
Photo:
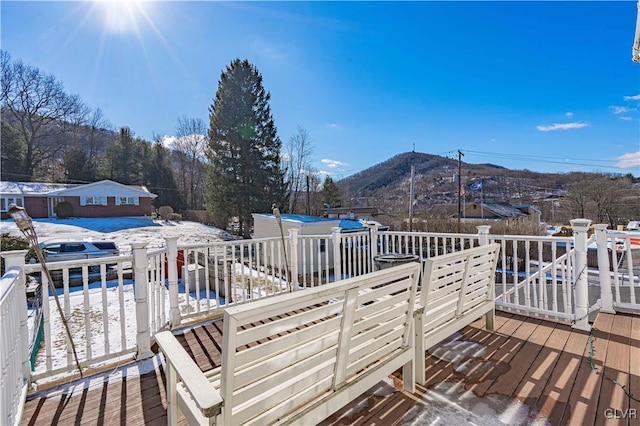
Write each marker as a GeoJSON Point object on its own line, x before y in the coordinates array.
{"type": "Point", "coordinates": [456, 283]}
{"type": "Point", "coordinates": [284, 352]}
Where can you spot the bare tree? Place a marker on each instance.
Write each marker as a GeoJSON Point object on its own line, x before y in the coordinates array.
{"type": "Point", "coordinates": [99, 134]}
{"type": "Point", "coordinates": [190, 150]}
{"type": "Point", "coordinates": [602, 198]}
{"type": "Point", "coordinates": [297, 164]}
{"type": "Point", "coordinates": [40, 108]}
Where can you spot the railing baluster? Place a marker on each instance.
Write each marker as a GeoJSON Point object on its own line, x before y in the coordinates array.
{"type": "Point", "coordinates": [105, 312]}
{"type": "Point", "coordinates": [527, 275]}
{"type": "Point", "coordinates": [86, 309]}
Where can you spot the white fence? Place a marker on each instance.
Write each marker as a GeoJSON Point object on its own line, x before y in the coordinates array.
{"type": "Point", "coordinates": [115, 305]}
{"type": "Point", "coordinates": [14, 349]}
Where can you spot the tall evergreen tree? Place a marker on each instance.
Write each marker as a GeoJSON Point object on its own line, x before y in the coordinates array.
{"type": "Point", "coordinates": [160, 179]}
{"type": "Point", "coordinates": [125, 158]}
{"type": "Point", "coordinates": [76, 163]}
{"type": "Point", "coordinates": [331, 193]}
{"type": "Point", "coordinates": [244, 149]}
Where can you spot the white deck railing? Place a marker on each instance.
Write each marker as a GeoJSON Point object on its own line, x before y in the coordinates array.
{"type": "Point", "coordinates": [115, 305]}
{"type": "Point", "coordinates": [14, 344]}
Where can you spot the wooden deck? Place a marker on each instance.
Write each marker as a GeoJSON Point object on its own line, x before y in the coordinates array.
{"type": "Point", "coordinates": [526, 372]}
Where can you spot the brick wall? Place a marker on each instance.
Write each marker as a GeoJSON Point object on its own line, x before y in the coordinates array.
{"type": "Point", "coordinates": [110, 210]}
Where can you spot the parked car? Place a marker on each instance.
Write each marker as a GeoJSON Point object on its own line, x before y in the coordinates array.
{"type": "Point", "coordinates": [75, 250]}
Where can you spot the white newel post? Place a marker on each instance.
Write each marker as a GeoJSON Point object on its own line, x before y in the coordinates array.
{"type": "Point", "coordinates": [337, 255]}
{"type": "Point", "coordinates": [15, 259]}
{"type": "Point", "coordinates": [483, 234]}
{"type": "Point", "coordinates": [172, 276]}
{"type": "Point", "coordinates": [606, 296]}
{"type": "Point", "coordinates": [580, 229]}
{"type": "Point", "coordinates": [294, 257]}
{"type": "Point", "coordinates": [143, 336]}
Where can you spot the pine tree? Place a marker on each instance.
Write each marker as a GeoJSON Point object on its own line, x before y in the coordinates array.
{"type": "Point", "coordinates": [76, 163]}
{"type": "Point", "coordinates": [244, 149]}
{"type": "Point", "coordinates": [331, 193]}
{"type": "Point", "coordinates": [160, 180]}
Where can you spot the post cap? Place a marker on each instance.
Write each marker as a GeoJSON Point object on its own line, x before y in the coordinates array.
{"type": "Point", "coordinates": [580, 225]}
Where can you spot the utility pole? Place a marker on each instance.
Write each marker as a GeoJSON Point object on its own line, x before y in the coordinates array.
{"type": "Point", "coordinates": [411, 196]}
{"type": "Point", "coordinates": [308, 200]}
{"type": "Point", "coordinates": [460, 154]}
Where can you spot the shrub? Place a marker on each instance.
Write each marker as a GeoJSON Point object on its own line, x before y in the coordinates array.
{"type": "Point", "coordinates": [176, 217]}
{"type": "Point", "coordinates": [64, 210]}
{"type": "Point", "coordinates": [165, 212]}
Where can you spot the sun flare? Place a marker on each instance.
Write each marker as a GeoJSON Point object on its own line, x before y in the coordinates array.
{"type": "Point", "coordinates": [121, 16]}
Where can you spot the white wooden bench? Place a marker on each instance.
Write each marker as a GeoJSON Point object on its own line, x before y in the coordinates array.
{"type": "Point", "coordinates": [457, 289]}
{"type": "Point", "coordinates": [299, 357]}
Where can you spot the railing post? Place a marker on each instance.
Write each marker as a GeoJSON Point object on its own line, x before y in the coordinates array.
{"type": "Point", "coordinates": [373, 244]}
{"type": "Point", "coordinates": [141, 285]}
{"type": "Point", "coordinates": [483, 234]}
{"type": "Point", "coordinates": [581, 311]}
{"type": "Point", "coordinates": [606, 296]}
{"type": "Point", "coordinates": [15, 259]}
{"type": "Point", "coordinates": [337, 255]}
{"type": "Point", "coordinates": [172, 276]}
{"type": "Point", "coordinates": [294, 257]}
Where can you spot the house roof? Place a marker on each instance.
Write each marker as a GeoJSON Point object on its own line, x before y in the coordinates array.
{"type": "Point", "coordinates": [527, 208]}
{"type": "Point", "coordinates": [34, 189]}
{"type": "Point", "coordinates": [345, 224]}
{"type": "Point", "coordinates": [503, 209]}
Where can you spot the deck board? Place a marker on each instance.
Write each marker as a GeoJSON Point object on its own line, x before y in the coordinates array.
{"type": "Point", "coordinates": [616, 367]}
{"type": "Point", "coordinates": [583, 401]}
{"type": "Point", "coordinates": [541, 364]}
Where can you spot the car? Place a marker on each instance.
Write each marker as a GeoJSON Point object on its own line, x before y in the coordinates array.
{"type": "Point", "coordinates": [55, 251]}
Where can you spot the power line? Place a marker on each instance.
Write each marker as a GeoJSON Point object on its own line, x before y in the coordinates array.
{"type": "Point", "coordinates": [543, 159]}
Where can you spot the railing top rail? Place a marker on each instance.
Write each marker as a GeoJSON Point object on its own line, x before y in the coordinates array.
{"type": "Point", "coordinates": [157, 251]}
{"type": "Point", "coordinates": [191, 246]}
{"type": "Point", "coordinates": [36, 267]}
{"type": "Point", "coordinates": [315, 236]}
{"type": "Point", "coordinates": [541, 238]}
{"type": "Point", "coordinates": [623, 234]}
{"type": "Point", "coordinates": [429, 234]}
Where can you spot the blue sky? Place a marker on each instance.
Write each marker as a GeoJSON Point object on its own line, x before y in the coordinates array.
{"type": "Point", "coordinates": [544, 86]}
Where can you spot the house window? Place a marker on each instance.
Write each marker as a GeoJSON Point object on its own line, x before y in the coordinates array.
{"type": "Point", "coordinates": [6, 202]}
{"type": "Point", "coordinates": [92, 201]}
{"type": "Point", "coordinates": [127, 201]}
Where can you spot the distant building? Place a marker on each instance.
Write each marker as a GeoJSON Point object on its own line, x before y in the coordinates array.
{"type": "Point", "coordinates": [98, 199]}
{"type": "Point", "coordinates": [349, 212]}
{"type": "Point", "coordinates": [501, 211]}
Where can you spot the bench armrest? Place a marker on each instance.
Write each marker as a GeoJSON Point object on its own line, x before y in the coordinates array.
{"type": "Point", "coordinates": [199, 387]}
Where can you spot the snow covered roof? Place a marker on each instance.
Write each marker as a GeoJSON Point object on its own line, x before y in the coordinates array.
{"type": "Point", "coordinates": [34, 189]}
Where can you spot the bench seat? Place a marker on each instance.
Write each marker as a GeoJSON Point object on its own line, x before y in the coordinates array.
{"type": "Point", "coordinates": [456, 290]}
{"type": "Point", "coordinates": [297, 358]}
